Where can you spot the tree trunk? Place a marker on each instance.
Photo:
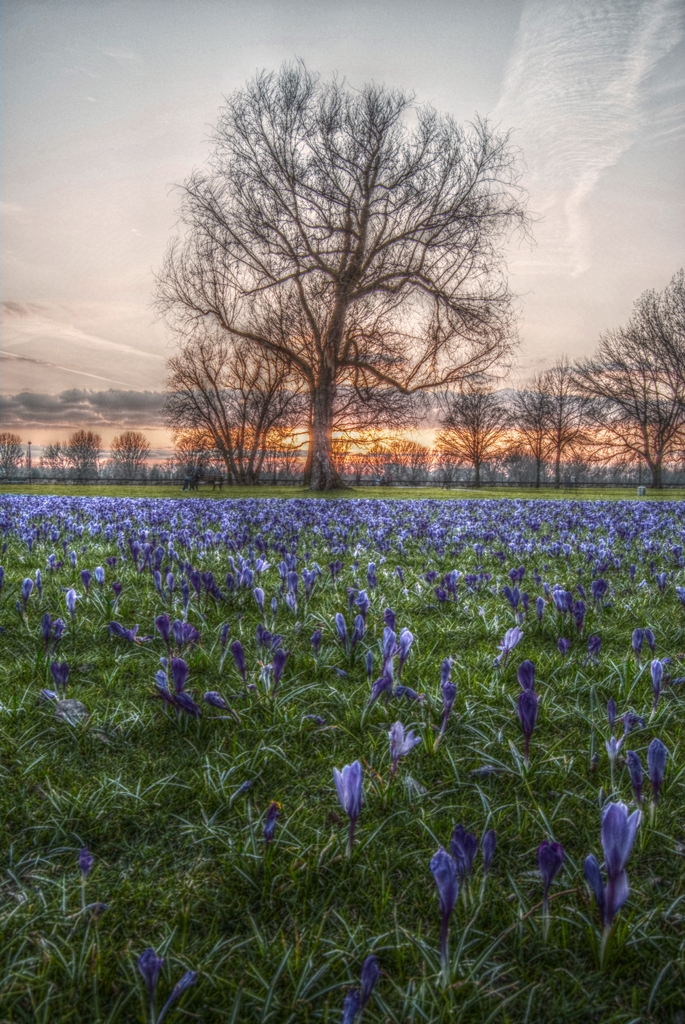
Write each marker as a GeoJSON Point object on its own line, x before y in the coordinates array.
{"type": "Point", "coordinates": [476, 466]}
{"type": "Point", "coordinates": [557, 469]}
{"type": "Point", "coordinates": [319, 473]}
{"type": "Point", "coordinates": [537, 472]}
{"type": "Point", "coordinates": [656, 475]}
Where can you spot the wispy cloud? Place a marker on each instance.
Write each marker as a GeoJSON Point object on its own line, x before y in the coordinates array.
{"type": "Point", "coordinates": [575, 89]}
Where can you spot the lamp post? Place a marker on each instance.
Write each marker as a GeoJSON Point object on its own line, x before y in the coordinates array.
{"type": "Point", "coordinates": [28, 461]}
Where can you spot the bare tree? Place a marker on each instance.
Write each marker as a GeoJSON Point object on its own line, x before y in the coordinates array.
{"type": "Point", "coordinates": [55, 458]}
{"type": "Point", "coordinates": [355, 233]}
{"type": "Point", "coordinates": [407, 461]}
{"type": "Point", "coordinates": [83, 454]}
{"type": "Point", "coordinates": [236, 395]}
{"type": "Point", "coordinates": [474, 427]}
{"type": "Point", "coordinates": [531, 415]}
{"type": "Point", "coordinates": [637, 382]}
{"type": "Point", "coordinates": [129, 452]}
{"type": "Point", "coordinates": [11, 454]}
{"type": "Point", "coordinates": [567, 414]}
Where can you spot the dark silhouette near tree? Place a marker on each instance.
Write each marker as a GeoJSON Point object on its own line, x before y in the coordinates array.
{"type": "Point", "coordinates": [355, 234]}
{"type": "Point", "coordinates": [636, 382]}
{"type": "Point", "coordinates": [530, 411]}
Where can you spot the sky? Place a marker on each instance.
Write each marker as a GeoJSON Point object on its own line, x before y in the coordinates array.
{"type": "Point", "coordinates": [107, 105]}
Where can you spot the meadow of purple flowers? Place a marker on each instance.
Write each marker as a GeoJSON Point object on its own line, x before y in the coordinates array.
{"type": "Point", "coordinates": [300, 760]}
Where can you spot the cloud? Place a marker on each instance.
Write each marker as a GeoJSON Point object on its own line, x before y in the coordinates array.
{"type": "Point", "coordinates": [77, 408]}
{"type": "Point", "coordinates": [575, 90]}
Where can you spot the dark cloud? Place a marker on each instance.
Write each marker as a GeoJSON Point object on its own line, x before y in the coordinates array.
{"type": "Point", "coordinates": [76, 408]}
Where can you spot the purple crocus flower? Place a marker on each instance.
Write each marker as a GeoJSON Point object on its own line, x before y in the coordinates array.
{"type": "Point", "coordinates": [315, 640]}
{"type": "Point", "coordinates": [488, 847]}
{"type": "Point", "coordinates": [358, 631]}
{"type": "Point", "coordinates": [525, 674]}
{"type": "Point", "coordinates": [239, 658]}
{"type": "Point", "coordinates": [99, 575]}
{"type": "Point", "coordinates": [463, 847]}
{"type": "Point", "coordinates": [363, 602]}
{"type": "Point", "coordinates": [444, 871]}
{"type": "Point", "coordinates": [117, 588]}
{"type": "Point", "coordinates": [594, 645]}
{"type": "Point", "coordinates": [86, 577]}
{"type": "Point", "coordinates": [215, 700]}
{"type": "Point", "coordinates": [351, 1006]}
{"type": "Point", "coordinates": [657, 756]}
{"type": "Point", "coordinates": [550, 860]}
{"type": "Point", "coordinates": [85, 861]}
{"type": "Point", "coordinates": [636, 642]}
{"type": "Point", "coordinates": [278, 664]}
{"type": "Point", "coordinates": [406, 640]}
{"type": "Point", "coordinates": [184, 702]}
{"type": "Point", "coordinates": [618, 835]}
{"type": "Point", "coordinates": [511, 639]}
{"type": "Point", "coordinates": [163, 627]}
{"type": "Point", "coordinates": [528, 713]}
{"type": "Point", "coordinates": [341, 627]}
{"type": "Point", "coordinates": [26, 588]}
{"type": "Point", "coordinates": [60, 673]}
{"type": "Point", "coordinates": [46, 629]}
{"type": "Point", "coordinates": [611, 713]}
{"type": "Point", "coordinates": [369, 977]}
{"type": "Point", "coordinates": [259, 598]}
{"type": "Point", "coordinates": [650, 639]}
{"type": "Point", "coordinates": [449, 693]}
{"type": "Point", "coordinates": [58, 628]}
{"type": "Point", "coordinates": [369, 663]}
{"type": "Point", "coordinates": [70, 598]}
{"type": "Point", "coordinates": [579, 611]}
{"type": "Point", "coordinates": [272, 815]}
{"type": "Point", "coordinates": [657, 671]}
{"type": "Point", "coordinates": [400, 744]}
{"type": "Point", "coordinates": [179, 673]}
{"type": "Point", "coordinates": [382, 685]}
{"type": "Point", "coordinates": [635, 772]}
{"type": "Point", "coordinates": [540, 608]}
{"type": "Point", "coordinates": [225, 632]}
{"type": "Point", "coordinates": [389, 619]}
{"type": "Point", "coordinates": [150, 966]}
{"type": "Point", "coordinates": [348, 784]}
{"type": "Point", "coordinates": [593, 875]}
{"type": "Point", "coordinates": [188, 979]}
{"type": "Point", "coordinates": [563, 646]}
{"type": "Point", "coordinates": [598, 589]}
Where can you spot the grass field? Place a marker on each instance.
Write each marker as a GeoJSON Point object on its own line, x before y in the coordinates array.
{"type": "Point", "coordinates": [375, 493]}
{"type": "Point", "coordinates": [172, 807]}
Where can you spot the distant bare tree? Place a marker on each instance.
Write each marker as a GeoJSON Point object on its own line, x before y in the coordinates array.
{"type": "Point", "coordinates": [129, 452]}
{"type": "Point", "coordinates": [531, 409]}
{"type": "Point", "coordinates": [474, 427]}
{"type": "Point", "coordinates": [235, 395]}
{"type": "Point", "coordinates": [11, 454]}
{"type": "Point", "coordinates": [352, 232]}
{"type": "Point", "coordinates": [83, 454]}
{"type": "Point", "coordinates": [636, 381]}
{"type": "Point", "coordinates": [408, 460]}
{"type": "Point", "coordinates": [567, 414]}
{"type": "Point", "coordinates": [55, 458]}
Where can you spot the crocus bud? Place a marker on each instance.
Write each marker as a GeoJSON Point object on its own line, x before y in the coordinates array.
{"type": "Point", "coordinates": [259, 598]}
{"type": "Point", "coordinates": [272, 816]}
{"type": "Point", "coordinates": [525, 674]}
{"type": "Point", "coordinates": [369, 977]}
{"type": "Point", "coordinates": [85, 862]}
{"type": "Point", "coordinates": [657, 671]}
{"type": "Point", "coordinates": [635, 772]}
{"type": "Point", "coordinates": [278, 665]}
{"type": "Point", "coordinates": [239, 657]}
{"type": "Point", "coordinates": [70, 599]}
{"type": "Point", "coordinates": [528, 714]}
{"type": "Point", "coordinates": [444, 872]}
{"type": "Point", "coordinates": [488, 847]}
{"type": "Point", "coordinates": [550, 860]}
{"type": "Point", "coordinates": [150, 966]}
{"type": "Point", "coordinates": [163, 627]}
{"type": "Point", "coordinates": [611, 713]}
{"type": "Point", "coordinates": [341, 627]}
{"type": "Point", "coordinates": [657, 756]}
